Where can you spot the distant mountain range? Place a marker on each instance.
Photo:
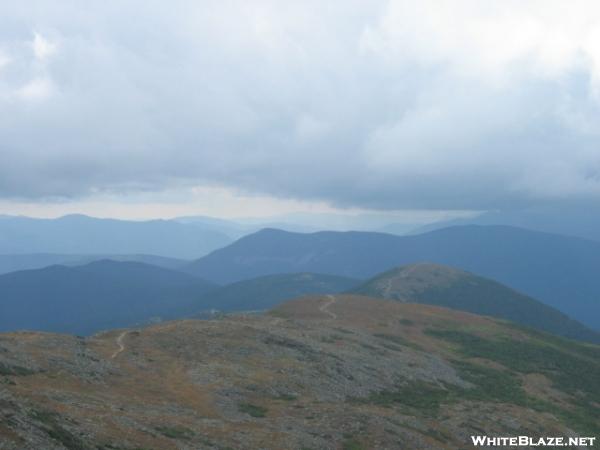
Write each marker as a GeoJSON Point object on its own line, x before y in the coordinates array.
{"type": "Point", "coordinates": [568, 221]}
{"type": "Point", "coordinates": [13, 263]}
{"type": "Point", "coordinates": [308, 223]}
{"type": "Point", "coordinates": [439, 285]}
{"type": "Point", "coordinates": [83, 235]}
{"type": "Point", "coordinates": [110, 294]}
{"type": "Point", "coordinates": [271, 266]}
{"type": "Point", "coordinates": [562, 272]}
{"type": "Point", "coordinates": [97, 296]}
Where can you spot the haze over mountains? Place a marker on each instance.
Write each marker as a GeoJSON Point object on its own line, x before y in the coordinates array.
{"type": "Point", "coordinates": [568, 220]}
{"type": "Point", "coordinates": [30, 243]}
{"type": "Point", "coordinates": [77, 234]}
{"type": "Point", "coordinates": [269, 266]}
{"type": "Point", "coordinates": [180, 238]}
{"type": "Point", "coordinates": [560, 271]}
{"type": "Point", "coordinates": [108, 294]}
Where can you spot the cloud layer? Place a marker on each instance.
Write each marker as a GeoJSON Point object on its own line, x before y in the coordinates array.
{"type": "Point", "coordinates": [428, 104]}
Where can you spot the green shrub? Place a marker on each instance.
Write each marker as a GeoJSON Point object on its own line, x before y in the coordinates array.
{"type": "Point", "coordinates": [253, 410]}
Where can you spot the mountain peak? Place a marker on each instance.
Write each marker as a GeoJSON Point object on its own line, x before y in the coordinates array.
{"type": "Point", "coordinates": [437, 284]}
{"type": "Point", "coordinates": [405, 281]}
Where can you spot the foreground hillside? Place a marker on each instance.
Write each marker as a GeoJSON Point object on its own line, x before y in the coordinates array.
{"type": "Point", "coordinates": [440, 285]}
{"type": "Point", "coordinates": [326, 372]}
{"type": "Point", "coordinates": [560, 271]}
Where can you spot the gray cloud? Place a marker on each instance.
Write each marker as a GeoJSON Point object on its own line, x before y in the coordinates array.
{"type": "Point", "coordinates": [367, 104]}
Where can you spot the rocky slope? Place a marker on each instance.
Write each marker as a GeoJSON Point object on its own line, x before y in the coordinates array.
{"type": "Point", "coordinates": [325, 372]}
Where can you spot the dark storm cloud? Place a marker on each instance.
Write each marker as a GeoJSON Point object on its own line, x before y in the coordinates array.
{"type": "Point", "coordinates": [368, 104]}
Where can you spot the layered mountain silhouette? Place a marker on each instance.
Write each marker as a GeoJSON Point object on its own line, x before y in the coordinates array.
{"type": "Point", "coordinates": [110, 294]}
{"type": "Point", "coordinates": [77, 234]}
{"type": "Point", "coordinates": [14, 263]}
{"type": "Point", "coordinates": [435, 284]}
{"type": "Point", "coordinates": [562, 272]}
{"type": "Point", "coordinates": [101, 295]}
{"type": "Point", "coordinates": [574, 220]}
{"type": "Point", "coordinates": [265, 292]}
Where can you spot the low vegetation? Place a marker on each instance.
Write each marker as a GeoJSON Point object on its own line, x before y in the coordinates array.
{"type": "Point", "coordinates": [50, 423]}
{"type": "Point", "coordinates": [352, 444]}
{"type": "Point", "coordinates": [397, 340]}
{"type": "Point", "coordinates": [567, 364]}
{"type": "Point", "coordinates": [18, 371]}
{"type": "Point", "coordinates": [253, 410]}
{"type": "Point", "coordinates": [569, 371]}
{"type": "Point", "coordinates": [421, 397]}
{"type": "Point", "coordinates": [175, 432]}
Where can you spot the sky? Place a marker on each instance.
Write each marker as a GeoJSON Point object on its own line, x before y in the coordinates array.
{"type": "Point", "coordinates": [234, 108]}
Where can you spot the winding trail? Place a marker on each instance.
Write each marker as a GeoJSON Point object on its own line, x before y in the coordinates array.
{"type": "Point", "coordinates": [325, 306]}
{"type": "Point", "coordinates": [387, 289]}
{"type": "Point", "coordinates": [120, 344]}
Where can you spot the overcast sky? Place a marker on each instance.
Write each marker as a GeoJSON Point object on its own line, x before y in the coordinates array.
{"type": "Point", "coordinates": [155, 108]}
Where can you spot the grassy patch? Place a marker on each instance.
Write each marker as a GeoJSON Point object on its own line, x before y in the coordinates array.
{"type": "Point", "coordinates": [352, 444]}
{"type": "Point", "coordinates": [253, 410]}
{"type": "Point", "coordinates": [45, 417]}
{"type": "Point", "coordinates": [424, 398]}
{"type": "Point", "coordinates": [397, 340]}
{"type": "Point", "coordinates": [331, 339]}
{"type": "Point", "coordinates": [567, 364]}
{"type": "Point", "coordinates": [176, 432]}
{"type": "Point", "coordinates": [286, 397]}
{"type": "Point", "coordinates": [575, 347]}
{"type": "Point", "coordinates": [490, 384]}
{"type": "Point", "coordinates": [10, 370]}
{"type": "Point", "coordinates": [568, 371]}
{"type": "Point", "coordinates": [438, 435]}
{"type": "Point", "coordinates": [50, 425]}
{"type": "Point", "coordinates": [392, 347]}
